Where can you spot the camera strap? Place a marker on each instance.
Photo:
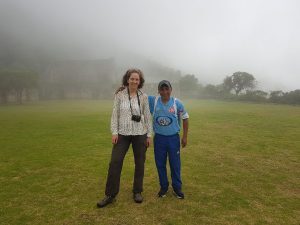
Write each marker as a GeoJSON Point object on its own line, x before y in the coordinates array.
{"type": "Point", "coordinates": [130, 101]}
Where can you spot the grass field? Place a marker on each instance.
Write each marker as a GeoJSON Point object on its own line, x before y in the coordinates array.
{"type": "Point", "coordinates": [241, 166]}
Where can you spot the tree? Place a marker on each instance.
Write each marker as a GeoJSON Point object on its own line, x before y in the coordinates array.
{"type": "Point", "coordinates": [255, 96]}
{"type": "Point", "coordinates": [276, 96]}
{"type": "Point", "coordinates": [188, 86]}
{"type": "Point", "coordinates": [5, 85]}
{"type": "Point", "coordinates": [23, 80]}
{"type": "Point", "coordinates": [17, 81]}
{"type": "Point", "coordinates": [239, 81]}
{"type": "Point", "coordinates": [292, 97]}
{"type": "Point", "coordinates": [210, 91]}
{"type": "Point", "coordinates": [227, 84]}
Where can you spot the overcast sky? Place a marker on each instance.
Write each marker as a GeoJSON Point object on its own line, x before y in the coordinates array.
{"type": "Point", "coordinates": [210, 39]}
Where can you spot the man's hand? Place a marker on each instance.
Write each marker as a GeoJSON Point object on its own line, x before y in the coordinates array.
{"type": "Point", "coordinates": [114, 139]}
{"type": "Point", "coordinates": [148, 142]}
{"type": "Point", "coordinates": [183, 141]}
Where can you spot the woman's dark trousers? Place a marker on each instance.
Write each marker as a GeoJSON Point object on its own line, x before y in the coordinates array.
{"type": "Point", "coordinates": [117, 157]}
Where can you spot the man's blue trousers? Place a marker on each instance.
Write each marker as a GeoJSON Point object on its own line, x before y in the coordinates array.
{"type": "Point", "coordinates": [168, 147]}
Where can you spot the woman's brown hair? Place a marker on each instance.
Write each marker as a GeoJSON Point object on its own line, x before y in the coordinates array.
{"type": "Point", "coordinates": [126, 77]}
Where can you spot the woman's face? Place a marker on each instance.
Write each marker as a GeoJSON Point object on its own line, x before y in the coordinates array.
{"type": "Point", "coordinates": [134, 81]}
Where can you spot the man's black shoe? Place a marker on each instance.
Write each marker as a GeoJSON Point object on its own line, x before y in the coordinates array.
{"type": "Point", "coordinates": [162, 193]}
{"type": "Point", "coordinates": [138, 198]}
{"type": "Point", "coordinates": [178, 193]}
{"type": "Point", "coordinates": [105, 201]}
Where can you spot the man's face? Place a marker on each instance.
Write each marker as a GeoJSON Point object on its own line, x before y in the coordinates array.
{"type": "Point", "coordinates": [165, 92]}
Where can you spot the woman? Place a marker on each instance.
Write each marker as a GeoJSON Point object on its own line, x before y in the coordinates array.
{"type": "Point", "coordinates": [130, 124]}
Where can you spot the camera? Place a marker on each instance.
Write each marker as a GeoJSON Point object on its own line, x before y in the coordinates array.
{"type": "Point", "coordinates": [136, 118]}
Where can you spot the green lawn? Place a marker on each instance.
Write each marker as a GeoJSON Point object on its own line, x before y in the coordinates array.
{"type": "Point", "coordinates": [241, 166]}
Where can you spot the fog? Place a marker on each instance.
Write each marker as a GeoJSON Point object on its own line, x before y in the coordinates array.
{"type": "Point", "coordinates": [210, 39]}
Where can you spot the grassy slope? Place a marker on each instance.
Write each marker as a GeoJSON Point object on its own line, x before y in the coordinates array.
{"type": "Point", "coordinates": [241, 166]}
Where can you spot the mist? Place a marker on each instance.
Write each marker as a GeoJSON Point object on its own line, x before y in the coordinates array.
{"type": "Point", "coordinates": [211, 40]}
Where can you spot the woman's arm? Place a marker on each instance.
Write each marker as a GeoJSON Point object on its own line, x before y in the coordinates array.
{"type": "Point", "coordinates": [147, 116]}
{"type": "Point", "coordinates": [114, 123]}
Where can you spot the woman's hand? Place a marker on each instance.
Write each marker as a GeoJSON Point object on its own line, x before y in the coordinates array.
{"type": "Point", "coordinates": [114, 139]}
{"type": "Point", "coordinates": [148, 142]}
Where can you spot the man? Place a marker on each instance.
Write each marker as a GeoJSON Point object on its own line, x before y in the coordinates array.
{"type": "Point", "coordinates": [167, 114]}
